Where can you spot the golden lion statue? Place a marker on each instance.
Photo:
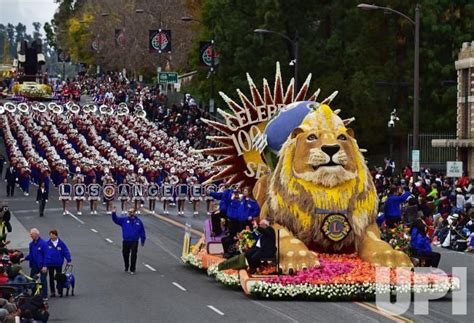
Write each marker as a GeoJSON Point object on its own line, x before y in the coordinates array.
{"type": "Point", "coordinates": [322, 198]}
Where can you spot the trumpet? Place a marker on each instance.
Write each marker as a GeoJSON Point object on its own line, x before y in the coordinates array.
{"type": "Point", "coordinates": [139, 111]}
{"type": "Point", "coordinates": [122, 109]}
{"type": "Point", "coordinates": [41, 107]}
{"type": "Point", "coordinates": [74, 108]}
{"type": "Point", "coordinates": [174, 180]}
{"type": "Point", "coordinates": [86, 108]}
{"type": "Point", "coordinates": [58, 109]}
{"type": "Point", "coordinates": [10, 107]}
{"type": "Point", "coordinates": [51, 106]}
{"type": "Point", "coordinates": [23, 107]}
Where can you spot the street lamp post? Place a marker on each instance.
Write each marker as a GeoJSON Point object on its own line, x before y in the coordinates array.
{"type": "Point", "coordinates": [416, 77]}
{"type": "Point", "coordinates": [294, 45]}
{"type": "Point", "coordinates": [212, 108]}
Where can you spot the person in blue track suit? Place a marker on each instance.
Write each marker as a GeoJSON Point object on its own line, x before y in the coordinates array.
{"type": "Point", "coordinates": [36, 258]}
{"type": "Point", "coordinates": [133, 230]}
{"type": "Point", "coordinates": [56, 253]}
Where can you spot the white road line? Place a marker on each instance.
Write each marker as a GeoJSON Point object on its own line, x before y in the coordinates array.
{"type": "Point", "coordinates": [108, 240]}
{"type": "Point", "coordinates": [94, 230]}
{"type": "Point", "coordinates": [75, 217]}
{"type": "Point", "coordinates": [179, 286]}
{"type": "Point", "coordinates": [149, 267]}
{"type": "Point", "coordinates": [215, 310]}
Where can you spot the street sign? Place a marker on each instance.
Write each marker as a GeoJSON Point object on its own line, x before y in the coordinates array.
{"type": "Point", "coordinates": [168, 78]}
{"type": "Point", "coordinates": [415, 160]}
{"type": "Point", "coordinates": [454, 168]}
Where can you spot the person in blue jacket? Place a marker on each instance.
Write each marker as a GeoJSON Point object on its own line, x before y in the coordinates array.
{"type": "Point", "coordinates": [132, 231]}
{"type": "Point", "coordinates": [241, 209]}
{"type": "Point", "coordinates": [392, 209]}
{"type": "Point", "coordinates": [36, 258]}
{"type": "Point", "coordinates": [421, 244]}
{"type": "Point", "coordinates": [224, 198]}
{"type": "Point", "coordinates": [56, 253]}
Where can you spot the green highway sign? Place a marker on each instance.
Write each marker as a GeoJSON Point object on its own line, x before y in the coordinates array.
{"type": "Point", "coordinates": [168, 78]}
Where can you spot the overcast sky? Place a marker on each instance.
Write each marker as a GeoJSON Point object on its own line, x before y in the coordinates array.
{"type": "Point", "coordinates": [26, 12]}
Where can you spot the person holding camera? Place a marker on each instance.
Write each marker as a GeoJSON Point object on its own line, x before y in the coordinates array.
{"type": "Point", "coordinates": [133, 230]}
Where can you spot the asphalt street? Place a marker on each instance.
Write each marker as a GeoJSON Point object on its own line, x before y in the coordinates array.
{"type": "Point", "coordinates": [165, 290]}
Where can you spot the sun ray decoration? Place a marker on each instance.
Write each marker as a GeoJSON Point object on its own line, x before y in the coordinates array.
{"type": "Point", "coordinates": [241, 161]}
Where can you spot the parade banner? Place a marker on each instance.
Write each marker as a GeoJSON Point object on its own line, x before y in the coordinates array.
{"type": "Point", "coordinates": [79, 191]}
{"type": "Point", "coordinates": [207, 54]}
{"type": "Point", "coordinates": [168, 190]}
{"type": "Point", "coordinates": [182, 190]}
{"type": "Point", "coordinates": [137, 190]}
{"type": "Point", "coordinates": [119, 37]}
{"type": "Point", "coordinates": [208, 189]}
{"type": "Point", "coordinates": [94, 191]}
{"type": "Point", "coordinates": [124, 191]}
{"type": "Point", "coordinates": [196, 190]}
{"type": "Point", "coordinates": [153, 191]}
{"type": "Point", "coordinates": [65, 190]}
{"type": "Point", "coordinates": [109, 191]}
{"type": "Point", "coordinates": [159, 40]}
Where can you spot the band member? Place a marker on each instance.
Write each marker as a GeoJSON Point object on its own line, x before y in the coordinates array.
{"type": "Point", "coordinates": [195, 192]}
{"type": "Point", "coordinates": [65, 193]}
{"type": "Point", "coordinates": [124, 195]}
{"type": "Point", "coordinates": [94, 195]}
{"type": "Point", "coordinates": [173, 180]}
{"type": "Point", "coordinates": [139, 198]}
{"type": "Point", "coordinates": [181, 195]}
{"type": "Point", "coordinates": [107, 179]}
{"type": "Point", "coordinates": [168, 192]}
{"type": "Point", "coordinates": [79, 179]}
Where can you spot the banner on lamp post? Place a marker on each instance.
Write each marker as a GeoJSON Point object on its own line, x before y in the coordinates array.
{"type": "Point", "coordinates": [120, 37]}
{"type": "Point", "coordinates": [159, 40]}
{"type": "Point", "coordinates": [207, 54]}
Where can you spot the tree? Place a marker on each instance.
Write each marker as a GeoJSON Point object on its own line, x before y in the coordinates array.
{"type": "Point", "coordinates": [367, 56]}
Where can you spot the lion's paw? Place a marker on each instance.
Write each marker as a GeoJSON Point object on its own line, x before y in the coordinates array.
{"type": "Point", "coordinates": [391, 258]}
{"type": "Point", "coordinates": [295, 256]}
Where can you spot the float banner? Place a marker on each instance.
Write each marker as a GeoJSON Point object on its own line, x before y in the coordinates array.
{"type": "Point", "coordinates": [159, 40]}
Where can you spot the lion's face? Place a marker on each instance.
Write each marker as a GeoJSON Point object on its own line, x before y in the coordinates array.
{"type": "Point", "coordinates": [324, 157]}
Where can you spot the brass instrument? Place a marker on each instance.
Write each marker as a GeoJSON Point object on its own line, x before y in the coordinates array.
{"type": "Point", "coordinates": [122, 109]}
{"type": "Point", "coordinates": [74, 108]}
{"type": "Point", "coordinates": [10, 107]}
{"type": "Point", "coordinates": [23, 107]}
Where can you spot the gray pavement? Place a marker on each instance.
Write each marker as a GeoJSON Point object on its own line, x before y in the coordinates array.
{"type": "Point", "coordinates": [165, 290]}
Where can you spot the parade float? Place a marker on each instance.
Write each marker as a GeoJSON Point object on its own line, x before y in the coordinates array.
{"type": "Point", "coordinates": [309, 176]}
{"type": "Point", "coordinates": [32, 91]}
